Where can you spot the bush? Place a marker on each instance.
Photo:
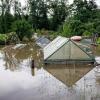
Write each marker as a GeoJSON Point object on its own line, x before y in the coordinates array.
{"type": "Point", "coordinates": [3, 38]}
{"type": "Point", "coordinates": [22, 29]}
{"type": "Point", "coordinates": [72, 27]}
{"type": "Point", "coordinates": [98, 29]}
{"type": "Point", "coordinates": [9, 38]}
{"type": "Point", "coordinates": [12, 37]}
{"type": "Point", "coordinates": [87, 33]}
{"type": "Point", "coordinates": [89, 27]}
{"type": "Point", "coordinates": [98, 40]}
{"type": "Point", "coordinates": [65, 30]}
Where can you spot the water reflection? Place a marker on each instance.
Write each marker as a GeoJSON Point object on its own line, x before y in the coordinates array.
{"type": "Point", "coordinates": [14, 57]}
{"type": "Point", "coordinates": [69, 74]}
{"type": "Point", "coordinates": [96, 50]}
{"type": "Point", "coordinates": [52, 82]}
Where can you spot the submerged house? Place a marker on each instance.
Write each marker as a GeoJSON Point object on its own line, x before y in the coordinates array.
{"type": "Point", "coordinates": [66, 50]}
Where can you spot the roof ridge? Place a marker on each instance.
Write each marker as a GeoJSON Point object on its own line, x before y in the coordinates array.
{"type": "Point", "coordinates": [56, 45]}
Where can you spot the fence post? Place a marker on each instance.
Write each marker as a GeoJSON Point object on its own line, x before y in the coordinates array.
{"type": "Point", "coordinates": [32, 64]}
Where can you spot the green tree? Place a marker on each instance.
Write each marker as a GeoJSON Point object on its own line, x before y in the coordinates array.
{"type": "Point", "coordinates": [6, 18]}
{"type": "Point", "coordinates": [83, 18]}
{"type": "Point", "coordinates": [66, 31]}
{"type": "Point", "coordinates": [84, 10]}
{"type": "Point", "coordinates": [59, 13]}
{"type": "Point", "coordinates": [17, 10]}
{"type": "Point", "coordinates": [38, 14]}
{"type": "Point", "coordinates": [22, 29]}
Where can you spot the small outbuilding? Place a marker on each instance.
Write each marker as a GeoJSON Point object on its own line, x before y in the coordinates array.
{"type": "Point", "coordinates": [66, 50]}
{"type": "Point", "coordinates": [42, 41]}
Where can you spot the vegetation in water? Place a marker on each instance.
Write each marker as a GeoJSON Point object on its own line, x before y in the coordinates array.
{"type": "Point", "coordinates": [3, 37]}
{"type": "Point", "coordinates": [98, 40]}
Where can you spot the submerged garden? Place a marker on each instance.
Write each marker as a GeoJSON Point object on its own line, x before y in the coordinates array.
{"type": "Point", "coordinates": [25, 30]}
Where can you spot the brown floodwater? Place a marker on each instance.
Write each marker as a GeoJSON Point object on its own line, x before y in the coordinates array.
{"type": "Point", "coordinates": [18, 81]}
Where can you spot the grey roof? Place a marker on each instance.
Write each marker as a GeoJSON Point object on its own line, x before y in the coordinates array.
{"type": "Point", "coordinates": [54, 45]}
{"type": "Point", "coordinates": [63, 48]}
{"type": "Point", "coordinates": [42, 41]}
{"type": "Point", "coordinates": [86, 41]}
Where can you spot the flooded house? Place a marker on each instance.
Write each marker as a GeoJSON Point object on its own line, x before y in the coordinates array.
{"type": "Point", "coordinates": [65, 50]}
{"type": "Point", "coordinates": [47, 82]}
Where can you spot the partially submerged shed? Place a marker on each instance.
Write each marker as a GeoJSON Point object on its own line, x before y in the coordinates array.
{"type": "Point", "coordinates": [42, 41]}
{"type": "Point", "coordinates": [66, 50]}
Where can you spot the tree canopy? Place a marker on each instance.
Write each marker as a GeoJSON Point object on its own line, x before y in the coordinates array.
{"type": "Point", "coordinates": [53, 15]}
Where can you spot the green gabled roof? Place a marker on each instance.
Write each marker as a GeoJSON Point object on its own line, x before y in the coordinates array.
{"type": "Point", "coordinates": [70, 50]}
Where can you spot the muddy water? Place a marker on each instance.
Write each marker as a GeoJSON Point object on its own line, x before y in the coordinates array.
{"type": "Point", "coordinates": [18, 81]}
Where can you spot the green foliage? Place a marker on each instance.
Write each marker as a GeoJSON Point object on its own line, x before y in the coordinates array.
{"type": "Point", "coordinates": [76, 27]}
{"type": "Point", "coordinates": [85, 10]}
{"type": "Point", "coordinates": [84, 19]}
{"type": "Point", "coordinates": [72, 27]}
{"type": "Point", "coordinates": [66, 30]}
{"type": "Point", "coordinates": [47, 33]}
{"type": "Point", "coordinates": [60, 12]}
{"type": "Point", "coordinates": [98, 29]}
{"type": "Point", "coordinates": [38, 31]}
{"type": "Point", "coordinates": [46, 14]}
{"type": "Point", "coordinates": [9, 19]}
{"type": "Point", "coordinates": [98, 40]}
{"type": "Point", "coordinates": [3, 37]}
{"type": "Point", "coordinates": [17, 10]}
{"type": "Point", "coordinates": [38, 14]}
{"type": "Point", "coordinates": [53, 35]}
{"type": "Point", "coordinates": [22, 29]}
{"type": "Point", "coordinates": [90, 27]}
{"type": "Point", "coordinates": [5, 23]}
{"type": "Point", "coordinates": [9, 38]}
{"type": "Point", "coordinates": [12, 37]}
{"type": "Point", "coordinates": [87, 33]}
{"type": "Point", "coordinates": [49, 17]}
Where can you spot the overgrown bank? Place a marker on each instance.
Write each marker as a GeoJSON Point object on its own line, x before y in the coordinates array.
{"type": "Point", "coordinates": [50, 18]}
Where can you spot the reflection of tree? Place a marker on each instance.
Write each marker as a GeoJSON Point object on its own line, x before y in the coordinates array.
{"type": "Point", "coordinates": [96, 50]}
{"type": "Point", "coordinates": [15, 57]}
{"type": "Point", "coordinates": [10, 60]}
